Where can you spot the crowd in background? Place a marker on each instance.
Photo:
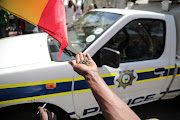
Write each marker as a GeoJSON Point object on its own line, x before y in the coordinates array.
{"type": "Point", "coordinates": [74, 12]}
{"type": "Point", "coordinates": [11, 25]}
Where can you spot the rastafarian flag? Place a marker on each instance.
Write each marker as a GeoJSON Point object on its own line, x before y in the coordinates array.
{"type": "Point", "coordinates": [49, 15]}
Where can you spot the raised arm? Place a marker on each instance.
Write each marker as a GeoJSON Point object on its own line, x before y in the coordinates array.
{"type": "Point", "coordinates": [73, 5]}
{"type": "Point", "coordinates": [113, 108]}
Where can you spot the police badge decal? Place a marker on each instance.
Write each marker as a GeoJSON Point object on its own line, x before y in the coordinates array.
{"type": "Point", "coordinates": [125, 78]}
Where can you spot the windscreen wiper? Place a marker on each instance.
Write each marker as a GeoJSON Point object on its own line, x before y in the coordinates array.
{"type": "Point", "coordinates": [68, 52]}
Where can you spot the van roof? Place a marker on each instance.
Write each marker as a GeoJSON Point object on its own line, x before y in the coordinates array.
{"type": "Point", "coordinates": [124, 11]}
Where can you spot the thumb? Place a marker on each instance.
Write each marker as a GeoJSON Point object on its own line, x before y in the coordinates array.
{"type": "Point", "coordinates": [72, 62]}
{"type": "Point", "coordinates": [40, 109]}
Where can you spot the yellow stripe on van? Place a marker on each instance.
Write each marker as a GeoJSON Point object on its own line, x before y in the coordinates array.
{"type": "Point", "coordinates": [87, 90]}
{"type": "Point", "coordinates": [80, 91]}
{"type": "Point", "coordinates": [34, 83]}
{"type": "Point", "coordinates": [153, 69]}
{"type": "Point", "coordinates": [79, 78]}
{"type": "Point", "coordinates": [170, 76]}
{"type": "Point", "coordinates": [105, 75]}
{"type": "Point", "coordinates": [172, 67]}
{"type": "Point", "coordinates": [112, 86]}
{"type": "Point", "coordinates": [33, 98]}
{"type": "Point", "coordinates": [178, 75]}
{"type": "Point", "coordinates": [146, 80]}
{"type": "Point", "coordinates": [109, 75]}
{"type": "Point", "coordinates": [146, 70]}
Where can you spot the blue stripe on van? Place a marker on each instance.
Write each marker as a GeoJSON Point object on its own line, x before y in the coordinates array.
{"type": "Point", "coordinates": [81, 84]}
{"type": "Point", "coordinates": [31, 91]}
{"type": "Point", "coordinates": [150, 75]}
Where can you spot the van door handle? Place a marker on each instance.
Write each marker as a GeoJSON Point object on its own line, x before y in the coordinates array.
{"type": "Point", "coordinates": [159, 70]}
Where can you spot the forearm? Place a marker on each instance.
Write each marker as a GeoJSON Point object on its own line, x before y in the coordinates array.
{"type": "Point", "coordinates": [74, 6]}
{"type": "Point", "coordinates": [112, 106]}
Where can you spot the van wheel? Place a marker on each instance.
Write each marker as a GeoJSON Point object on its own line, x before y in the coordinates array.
{"type": "Point", "coordinates": [29, 112]}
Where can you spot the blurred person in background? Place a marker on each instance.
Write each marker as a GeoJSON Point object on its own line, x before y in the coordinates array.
{"type": "Point", "coordinates": [95, 6]}
{"type": "Point", "coordinates": [70, 13]}
{"type": "Point", "coordinates": [91, 6]}
{"type": "Point", "coordinates": [13, 25]}
{"type": "Point", "coordinates": [21, 26]}
{"type": "Point", "coordinates": [30, 28]}
{"type": "Point", "coordinates": [4, 23]}
{"type": "Point", "coordinates": [78, 13]}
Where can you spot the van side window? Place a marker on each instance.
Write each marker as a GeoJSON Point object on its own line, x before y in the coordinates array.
{"type": "Point", "coordinates": [141, 39]}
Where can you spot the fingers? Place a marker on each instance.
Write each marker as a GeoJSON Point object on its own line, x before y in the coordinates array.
{"type": "Point", "coordinates": [41, 110]}
{"type": "Point", "coordinates": [72, 62]}
{"type": "Point", "coordinates": [52, 115]}
{"type": "Point", "coordinates": [77, 58]}
{"type": "Point", "coordinates": [89, 57]}
{"type": "Point", "coordinates": [81, 56]}
{"type": "Point", "coordinates": [45, 114]}
{"type": "Point", "coordinates": [85, 58]}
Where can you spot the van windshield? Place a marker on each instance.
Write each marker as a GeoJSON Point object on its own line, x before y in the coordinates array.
{"type": "Point", "coordinates": [83, 33]}
{"type": "Point", "coordinates": [87, 29]}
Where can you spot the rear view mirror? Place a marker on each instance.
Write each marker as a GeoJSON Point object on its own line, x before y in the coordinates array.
{"type": "Point", "coordinates": [110, 57]}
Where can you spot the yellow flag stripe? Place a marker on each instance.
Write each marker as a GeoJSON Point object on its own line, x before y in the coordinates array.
{"type": "Point", "coordinates": [29, 10]}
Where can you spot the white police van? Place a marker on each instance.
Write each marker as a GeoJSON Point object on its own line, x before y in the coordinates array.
{"type": "Point", "coordinates": [137, 53]}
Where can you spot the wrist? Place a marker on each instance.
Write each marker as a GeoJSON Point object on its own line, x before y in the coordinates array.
{"type": "Point", "coordinates": [91, 76]}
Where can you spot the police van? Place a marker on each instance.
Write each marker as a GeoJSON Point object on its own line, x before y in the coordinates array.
{"type": "Point", "coordinates": [137, 53]}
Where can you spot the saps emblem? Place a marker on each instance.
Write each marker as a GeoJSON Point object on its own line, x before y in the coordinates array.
{"type": "Point", "coordinates": [125, 78]}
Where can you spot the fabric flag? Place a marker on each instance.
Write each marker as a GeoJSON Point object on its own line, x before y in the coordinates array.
{"type": "Point", "coordinates": [49, 15]}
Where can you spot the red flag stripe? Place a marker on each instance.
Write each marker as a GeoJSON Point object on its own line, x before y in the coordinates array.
{"type": "Point", "coordinates": [53, 21]}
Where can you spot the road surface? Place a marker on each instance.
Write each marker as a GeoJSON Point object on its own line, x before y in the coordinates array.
{"type": "Point", "coordinates": [162, 110]}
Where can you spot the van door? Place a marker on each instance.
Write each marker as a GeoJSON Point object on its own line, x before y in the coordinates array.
{"type": "Point", "coordinates": [143, 68]}
{"type": "Point", "coordinates": [144, 59]}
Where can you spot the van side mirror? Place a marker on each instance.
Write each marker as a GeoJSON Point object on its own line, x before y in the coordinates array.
{"type": "Point", "coordinates": [109, 57]}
